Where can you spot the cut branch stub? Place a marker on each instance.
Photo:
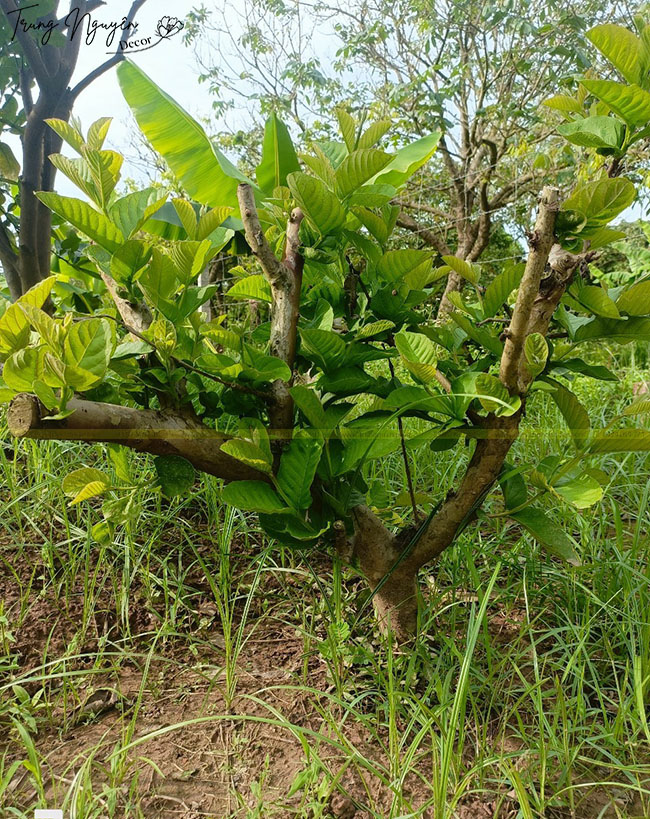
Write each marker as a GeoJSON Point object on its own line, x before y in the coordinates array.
{"type": "Point", "coordinates": [159, 432]}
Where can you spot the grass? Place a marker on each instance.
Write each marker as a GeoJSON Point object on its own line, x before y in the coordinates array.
{"type": "Point", "coordinates": [189, 667]}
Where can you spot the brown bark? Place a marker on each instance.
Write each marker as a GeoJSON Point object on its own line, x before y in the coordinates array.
{"type": "Point", "coordinates": [285, 278]}
{"type": "Point", "coordinates": [159, 432]}
{"type": "Point", "coordinates": [394, 584]}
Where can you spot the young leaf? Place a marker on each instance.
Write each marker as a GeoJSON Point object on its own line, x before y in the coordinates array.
{"type": "Point", "coordinates": [621, 47]}
{"type": "Point", "coordinates": [251, 287]}
{"type": "Point", "coordinates": [465, 269]}
{"type": "Point", "coordinates": [75, 481]}
{"type": "Point", "coordinates": [89, 346]}
{"type": "Point", "coordinates": [348, 127]}
{"type": "Point", "coordinates": [494, 397]}
{"type": "Point", "coordinates": [419, 355]}
{"type": "Point", "coordinates": [500, 288]}
{"type": "Point", "coordinates": [248, 453]}
{"type": "Point", "coordinates": [536, 352]}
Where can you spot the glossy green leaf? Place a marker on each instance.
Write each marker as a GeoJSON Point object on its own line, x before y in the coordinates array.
{"type": "Point", "coordinates": [248, 453]}
{"type": "Point", "coordinates": [594, 132]}
{"type": "Point", "coordinates": [500, 288]}
{"type": "Point", "coordinates": [408, 160]}
{"type": "Point", "coordinates": [630, 102]}
{"type": "Point", "coordinates": [564, 103]}
{"type": "Point", "coordinates": [621, 47]}
{"type": "Point", "coordinates": [419, 354]}
{"type": "Point", "coordinates": [251, 287]}
{"type": "Point", "coordinates": [635, 300]}
{"type": "Point", "coordinates": [575, 415]}
{"type": "Point", "coordinates": [621, 440]}
{"type": "Point", "coordinates": [131, 212]}
{"type": "Point", "coordinates": [596, 300]}
{"type": "Point", "coordinates": [75, 481]}
{"type": "Point", "coordinates": [536, 353]}
{"type": "Point", "coordinates": [467, 270]}
{"type": "Point", "coordinates": [582, 492]}
{"type": "Point", "coordinates": [494, 397]}
{"type": "Point", "coordinates": [89, 346]}
{"type": "Point", "coordinates": [358, 167]}
{"type": "Point", "coordinates": [324, 347]}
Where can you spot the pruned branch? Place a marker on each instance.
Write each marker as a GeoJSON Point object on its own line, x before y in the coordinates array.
{"type": "Point", "coordinates": [159, 432]}
{"type": "Point", "coordinates": [273, 269]}
{"type": "Point", "coordinates": [285, 278]}
{"type": "Point", "coordinates": [136, 317]}
{"type": "Point", "coordinates": [541, 242]}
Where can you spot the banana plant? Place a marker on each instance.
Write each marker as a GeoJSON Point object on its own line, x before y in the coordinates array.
{"type": "Point", "coordinates": [289, 413]}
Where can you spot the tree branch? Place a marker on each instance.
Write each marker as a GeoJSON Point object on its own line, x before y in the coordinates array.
{"type": "Point", "coordinates": [541, 242]}
{"type": "Point", "coordinates": [10, 264]}
{"type": "Point", "coordinates": [428, 236]}
{"type": "Point", "coordinates": [159, 432]}
{"type": "Point", "coordinates": [30, 49]}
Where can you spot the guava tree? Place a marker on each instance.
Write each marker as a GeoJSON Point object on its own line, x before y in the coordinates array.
{"type": "Point", "coordinates": [289, 413]}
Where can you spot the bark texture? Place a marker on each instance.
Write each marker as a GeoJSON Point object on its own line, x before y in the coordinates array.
{"type": "Point", "coordinates": [159, 432]}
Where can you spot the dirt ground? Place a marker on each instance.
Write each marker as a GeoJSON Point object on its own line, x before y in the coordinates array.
{"type": "Point", "coordinates": [190, 754]}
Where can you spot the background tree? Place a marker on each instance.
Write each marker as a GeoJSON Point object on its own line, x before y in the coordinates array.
{"type": "Point", "coordinates": [39, 70]}
{"type": "Point", "coordinates": [478, 71]}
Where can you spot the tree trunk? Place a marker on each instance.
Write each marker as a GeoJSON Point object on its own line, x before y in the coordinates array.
{"type": "Point", "coordinates": [396, 605]}
{"type": "Point", "coordinates": [393, 582]}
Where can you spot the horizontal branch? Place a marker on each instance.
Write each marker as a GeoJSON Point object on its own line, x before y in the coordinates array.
{"type": "Point", "coordinates": [428, 236]}
{"type": "Point", "coordinates": [158, 432]}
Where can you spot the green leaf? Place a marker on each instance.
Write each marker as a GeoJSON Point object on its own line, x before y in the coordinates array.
{"type": "Point", "coordinates": [635, 300]}
{"type": "Point", "coordinates": [187, 216]}
{"type": "Point", "coordinates": [358, 167]}
{"type": "Point", "coordinates": [551, 536]}
{"type": "Point", "coordinates": [22, 369]}
{"type": "Point", "coordinates": [85, 218]}
{"type": "Point", "coordinates": [375, 328]}
{"type": "Point", "coordinates": [408, 160]}
{"type": "Point", "coordinates": [577, 365]}
{"type": "Point", "coordinates": [205, 173]}
{"type": "Point", "coordinates": [253, 496]}
{"type": "Point", "coordinates": [596, 300]}
{"type": "Point", "coordinates": [594, 132]}
{"type": "Point", "coordinates": [602, 200]}
{"type": "Point", "coordinates": [494, 397]}
{"type": "Point", "coordinates": [621, 440]}
{"type": "Point", "coordinates": [497, 292]}
{"type": "Point", "coordinates": [412, 266]}
{"type": "Point", "coordinates": [419, 354]}
{"type": "Point", "coordinates": [98, 132]}
{"type": "Point", "coordinates": [321, 207]}
{"type": "Point", "coordinates": [75, 481]}
{"type": "Point", "coordinates": [78, 173]}
{"type": "Point", "coordinates": [298, 467]}
{"type": "Point", "coordinates": [630, 102]}
{"type": "Point", "coordinates": [9, 165]}
{"type": "Point", "coordinates": [14, 325]}
{"type": "Point", "coordinates": [251, 287]}
{"type": "Point", "coordinates": [279, 157]}
{"type": "Point", "coordinates": [374, 133]}
{"type": "Point", "coordinates": [68, 133]}
{"type": "Point", "coordinates": [91, 490]}
{"type": "Point", "coordinates": [248, 453]}
{"type": "Point", "coordinates": [575, 415]}
{"type": "Point", "coordinates": [89, 346]}
{"type": "Point", "coordinates": [105, 169]}
{"type": "Point", "coordinates": [564, 103]}
{"type": "Point", "coordinates": [536, 352]}
{"type": "Point", "coordinates": [176, 475]}
{"type": "Point", "coordinates": [326, 348]}
{"type": "Point", "coordinates": [310, 405]}
{"type": "Point", "coordinates": [131, 212]}
{"type": "Point", "coordinates": [348, 127]}
{"type": "Point", "coordinates": [468, 271]}
{"type": "Point", "coordinates": [621, 47]}
{"type": "Point", "coordinates": [581, 492]}
{"type": "Point", "coordinates": [621, 330]}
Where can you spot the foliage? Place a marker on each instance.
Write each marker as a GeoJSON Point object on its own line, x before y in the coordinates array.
{"type": "Point", "coordinates": [368, 353]}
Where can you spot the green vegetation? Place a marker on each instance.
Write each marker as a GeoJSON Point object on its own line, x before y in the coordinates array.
{"type": "Point", "coordinates": [330, 409]}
